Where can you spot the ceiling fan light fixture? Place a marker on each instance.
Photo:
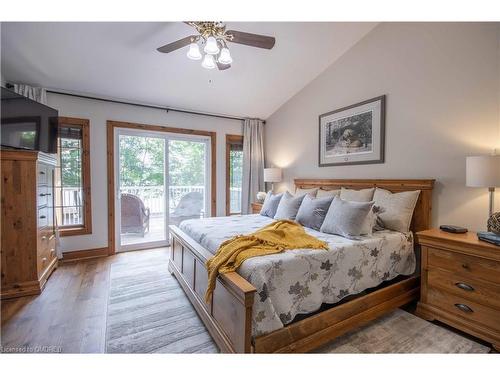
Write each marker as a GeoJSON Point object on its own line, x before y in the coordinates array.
{"type": "Point", "coordinates": [211, 46]}
{"type": "Point", "coordinates": [208, 62]}
{"type": "Point", "coordinates": [225, 56]}
{"type": "Point", "coordinates": [194, 52]}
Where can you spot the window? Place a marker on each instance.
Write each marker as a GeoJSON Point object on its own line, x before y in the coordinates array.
{"type": "Point", "coordinates": [234, 173]}
{"type": "Point", "coordinates": [72, 177]}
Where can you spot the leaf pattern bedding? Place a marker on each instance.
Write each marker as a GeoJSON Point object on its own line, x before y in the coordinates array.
{"type": "Point", "coordinates": [300, 281]}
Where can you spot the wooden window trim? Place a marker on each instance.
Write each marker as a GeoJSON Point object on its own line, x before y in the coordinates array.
{"type": "Point", "coordinates": [86, 228]}
{"type": "Point", "coordinates": [230, 139]}
{"type": "Point", "coordinates": [111, 126]}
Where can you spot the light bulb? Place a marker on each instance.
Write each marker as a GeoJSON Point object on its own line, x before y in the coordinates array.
{"type": "Point", "coordinates": [211, 47]}
{"type": "Point", "coordinates": [208, 62]}
{"type": "Point", "coordinates": [194, 51]}
{"type": "Point", "coordinates": [225, 57]}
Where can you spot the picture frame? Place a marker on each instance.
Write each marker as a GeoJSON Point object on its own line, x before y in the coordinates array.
{"type": "Point", "coordinates": [353, 135]}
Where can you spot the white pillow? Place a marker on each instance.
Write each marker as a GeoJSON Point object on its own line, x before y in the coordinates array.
{"type": "Point", "coordinates": [363, 195]}
{"type": "Point", "coordinates": [327, 193]}
{"type": "Point", "coordinates": [395, 210]}
{"type": "Point", "coordinates": [312, 192]}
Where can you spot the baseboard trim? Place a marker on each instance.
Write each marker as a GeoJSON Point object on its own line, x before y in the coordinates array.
{"type": "Point", "coordinates": [76, 255]}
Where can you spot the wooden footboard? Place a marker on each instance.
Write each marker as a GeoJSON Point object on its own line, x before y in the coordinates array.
{"type": "Point", "coordinates": [229, 317]}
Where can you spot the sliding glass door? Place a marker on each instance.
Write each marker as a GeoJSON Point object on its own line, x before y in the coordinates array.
{"type": "Point", "coordinates": [161, 179]}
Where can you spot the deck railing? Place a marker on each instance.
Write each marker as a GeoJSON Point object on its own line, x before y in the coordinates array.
{"type": "Point", "coordinates": [152, 196]}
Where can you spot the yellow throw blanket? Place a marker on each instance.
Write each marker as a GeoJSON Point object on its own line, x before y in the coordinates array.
{"type": "Point", "coordinates": [272, 239]}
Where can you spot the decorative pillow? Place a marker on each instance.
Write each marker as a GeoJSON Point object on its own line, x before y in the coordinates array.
{"type": "Point", "coordinates": [363, 195]}
{"type": "Point", "coordinates": [395, 210]}
{"type": "Point", "coordinates": [288, 207]}
{"type": "Point", "coordinates": [327, 193]}
{"type": "Point", "coordinates": [312, 211]}
{"type": "Point", "coordinates": [270, 204]}
{"type": "Point", "coordinates": [347, 218]}
{"type": "Point", "coordinates": [299, 192]}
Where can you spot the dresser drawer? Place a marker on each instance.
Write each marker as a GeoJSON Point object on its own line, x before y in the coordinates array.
{"type": "Point", "coordinates": [466, 265]}
{"type": "Point", "coordinates": [464, 308]}
{"type": "Point", "coordinates": [43, 217]}
{"type": "Point", "coordinates": [42, 174]}
{"type": "Point", "coordinates": [42, 195]}
{"type": "Point", "coordinates": [483, 292]}
{"type": "Point", "coordinates": [46, 251]}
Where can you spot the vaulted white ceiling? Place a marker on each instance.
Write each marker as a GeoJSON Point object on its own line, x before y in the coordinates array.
{"type": "Point", "coordinates": [119, 60]}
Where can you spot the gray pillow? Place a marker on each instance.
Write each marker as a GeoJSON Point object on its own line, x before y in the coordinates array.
{"type": "Point", "coordinates": [288, 207]}
{"type": "Point", "coordinates": [346, 218]}
{"type": "Point", "coordinates": [270, 204]}
{"type": "Point", "coordinates": [312, 211]}
{"type": "Point", "coordinates": [395, 210]}
{"type": "Point", "coordinates": [363, 195]}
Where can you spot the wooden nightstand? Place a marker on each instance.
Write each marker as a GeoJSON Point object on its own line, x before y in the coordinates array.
{"type": "Point", "coordinates": [256, 207]}
{"type": "Point", "coordinates": [460, 283]}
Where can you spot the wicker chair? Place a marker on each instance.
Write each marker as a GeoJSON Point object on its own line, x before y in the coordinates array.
{"type": "Point", "coordinates": [134, 215]}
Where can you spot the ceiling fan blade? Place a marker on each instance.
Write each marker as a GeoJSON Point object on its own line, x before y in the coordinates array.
{"type": "Point", "coordinates": [223, 66]}
{"type": "Point", "coordinates": [176, 45]}
{"type": "Point", "coordinates": [254, 40]}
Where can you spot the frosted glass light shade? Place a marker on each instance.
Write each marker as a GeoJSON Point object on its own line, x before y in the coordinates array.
{"type": "Point", "coordinates": [483, 171]}
{"type": "Point", "coordinates": [225, 57]}
{"type": "Point", "coordinates": [272, 174]}
{"type": "Point", "coordinates": [194, 52]}
{"type": "Point", "coordinates": [211, 47]}
{"type": "Point", "coordinates": [208, 62]}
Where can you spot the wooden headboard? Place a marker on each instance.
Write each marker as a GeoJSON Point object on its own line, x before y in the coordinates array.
{"type": "Point", "coordinates": [421, 215]}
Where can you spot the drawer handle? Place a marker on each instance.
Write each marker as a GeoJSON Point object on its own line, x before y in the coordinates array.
{"type": "Point", "coordinates": [44, 238]}
{"type": "Point", "coordinates": [464, 286]}
{"type": "Point", "coordinates": [465, 266]}
{"type": "Point", "coordinates": [42, 172]}
{"type": "Point", "coordinates": [44, 194]}
{"type": "Point", "coordinates": [44, 259]}
{"type": "Point", "coordinates": [43, 217]}
{"type": "Point", "coordinates": [463, 308]}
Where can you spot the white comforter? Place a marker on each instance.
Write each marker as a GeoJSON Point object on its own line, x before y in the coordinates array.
{"type": "Point", "coordinates": [299, 281]}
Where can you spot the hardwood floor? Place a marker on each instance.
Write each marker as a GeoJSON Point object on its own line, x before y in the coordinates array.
{"type": "Point", "coordinates": [70, 315]}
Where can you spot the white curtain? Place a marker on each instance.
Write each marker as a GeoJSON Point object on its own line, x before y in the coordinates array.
{"type": "Point", "coordinates": [253, 162]}
{"type": "Point", "coordinates": [38, 94]}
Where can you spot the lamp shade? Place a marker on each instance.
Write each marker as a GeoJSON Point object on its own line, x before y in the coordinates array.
{"type": "Point", "coordinates": [483, 171]}
{"type": "Point", "coordinates": [272, 174]}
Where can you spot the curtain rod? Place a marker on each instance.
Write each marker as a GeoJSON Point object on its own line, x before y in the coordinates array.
{"type": "Point", "coordinates": [168, 109]}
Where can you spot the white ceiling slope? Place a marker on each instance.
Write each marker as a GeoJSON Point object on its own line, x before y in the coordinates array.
{"type": "Point", "coordinates": [119, 60]}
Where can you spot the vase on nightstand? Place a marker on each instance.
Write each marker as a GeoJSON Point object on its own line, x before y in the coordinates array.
{"type": "Point", "coordinates": [494, 223]}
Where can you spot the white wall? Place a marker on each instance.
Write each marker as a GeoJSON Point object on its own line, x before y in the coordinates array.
{"type": "Point", "coordinates": [98, 113]}
{"type": "Point", "coordinates": [442, 87]}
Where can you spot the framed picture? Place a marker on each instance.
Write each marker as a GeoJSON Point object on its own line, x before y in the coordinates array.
{"type": "Point", "coordinates": [353, 134]}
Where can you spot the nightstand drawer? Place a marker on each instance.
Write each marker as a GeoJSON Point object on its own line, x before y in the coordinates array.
{"type": "Point", "coordinates": [471, 266]}
{"type": "Point", "coordinates": [482, 292]}
{"type": "Point", "coordinates": [464, 308]}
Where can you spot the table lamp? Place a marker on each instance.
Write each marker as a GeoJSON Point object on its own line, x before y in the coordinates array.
{"type": "Point", "coordinates": [272, 175]}
{"type": "Point", "coordinates": [484, 171]}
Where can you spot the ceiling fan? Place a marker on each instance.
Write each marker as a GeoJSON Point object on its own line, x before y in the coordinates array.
{"type": "Point", "coordinates": [213, 36]}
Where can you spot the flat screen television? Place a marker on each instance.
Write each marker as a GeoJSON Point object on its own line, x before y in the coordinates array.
{"type": "Point", "coordinates": [26, 124]}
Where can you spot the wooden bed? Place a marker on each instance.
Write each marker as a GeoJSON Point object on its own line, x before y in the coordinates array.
{"type": "Point", "coordinates": [229, 317]}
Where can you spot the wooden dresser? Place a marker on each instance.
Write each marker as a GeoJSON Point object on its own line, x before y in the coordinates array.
{"type": "Point", "coordinates": [460, 283]}
{"type": "Point", "coordinates": [28, 253]}
{"type": "Point", "coordinates": [256, 207]}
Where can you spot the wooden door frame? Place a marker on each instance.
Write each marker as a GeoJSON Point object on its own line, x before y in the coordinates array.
{"type": "Point", "coordinates": [111, 126]}
{"type": "Point", "coordinates": [230, 139]}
